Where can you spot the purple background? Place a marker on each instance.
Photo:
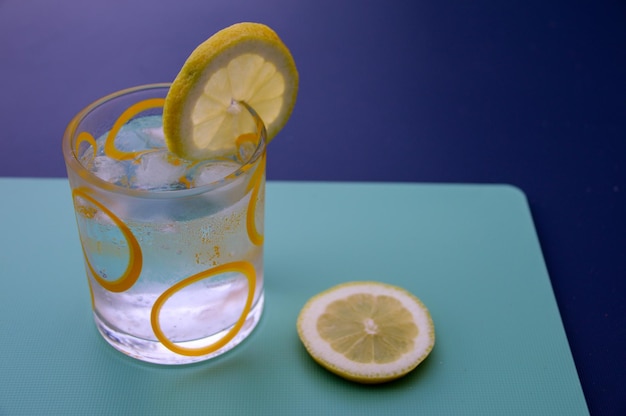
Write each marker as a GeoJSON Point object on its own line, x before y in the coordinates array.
{"type": "Point", "coordinates": [530, 93]}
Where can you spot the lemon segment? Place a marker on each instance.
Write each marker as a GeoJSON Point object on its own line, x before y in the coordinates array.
{"type": "Point", "coordinates": [368, 332]}
{"type": "Point", "coordinates": [202, 115]}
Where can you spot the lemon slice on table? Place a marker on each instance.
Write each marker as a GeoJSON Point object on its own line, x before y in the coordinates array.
{"type": "Point", "coordinates": [244, 62]}
{"type": "Point", "coordinates": [367, 332]}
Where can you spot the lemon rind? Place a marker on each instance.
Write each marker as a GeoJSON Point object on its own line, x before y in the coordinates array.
{"type": "Point", "coordinates": [205, 60]}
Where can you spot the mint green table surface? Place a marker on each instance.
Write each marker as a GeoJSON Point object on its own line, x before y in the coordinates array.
{"type": "Point", "coordinates": [470, 252]}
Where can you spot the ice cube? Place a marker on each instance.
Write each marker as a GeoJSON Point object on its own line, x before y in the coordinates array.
{"type": "Point", "coordinates": [141, 134]}
{"type": "Point", "coordinates": [158, 170]}
{"type": "Point", "coordinates": [213, 171]}
{"type": "Point", "coordinates": [110, 170]}
{"type": "Point", "coordinates": [154, 137]}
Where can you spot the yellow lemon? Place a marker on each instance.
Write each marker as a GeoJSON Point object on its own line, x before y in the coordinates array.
{"type": "Point", "coordinates": [368, 332]}
{"type": "Point", "coordinates": [245, 62]}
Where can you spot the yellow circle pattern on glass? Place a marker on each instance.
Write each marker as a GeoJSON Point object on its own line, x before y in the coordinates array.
{"type": "Point", "coordinates": [85, 137]}
{"type": "Point", "coordinates": [256, 182]}
{"type": "Point", "coordinates": [109, 145]}
{"type": "Point", "coordinates": [135, 257]}
{"type": "Point", "coordinates": [368, 332]}
{"type": "Point", "coordinates": [243, 267]}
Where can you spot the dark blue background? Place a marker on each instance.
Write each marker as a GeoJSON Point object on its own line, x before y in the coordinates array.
{"type": "Point", "coordinates": [531, 93]}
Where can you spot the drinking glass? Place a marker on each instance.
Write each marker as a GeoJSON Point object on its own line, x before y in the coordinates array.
{"type": "Point", "coordinates": [174, 269]}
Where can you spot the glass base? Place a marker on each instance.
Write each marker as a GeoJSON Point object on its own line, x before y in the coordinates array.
{"type": "Point", "coordinates": [154, 352]}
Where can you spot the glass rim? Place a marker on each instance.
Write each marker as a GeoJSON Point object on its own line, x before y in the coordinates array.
{"type": "Point", "coordinates": [72, 162]}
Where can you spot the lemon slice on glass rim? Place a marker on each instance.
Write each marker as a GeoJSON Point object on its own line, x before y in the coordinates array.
{"type": "Point", "coordinates": [246, 62]}
{"type": "Point", "coordinates": [368, 332]}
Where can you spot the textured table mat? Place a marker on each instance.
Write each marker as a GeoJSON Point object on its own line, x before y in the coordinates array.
{"type": "Point", "coordinates": [470, 252]}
